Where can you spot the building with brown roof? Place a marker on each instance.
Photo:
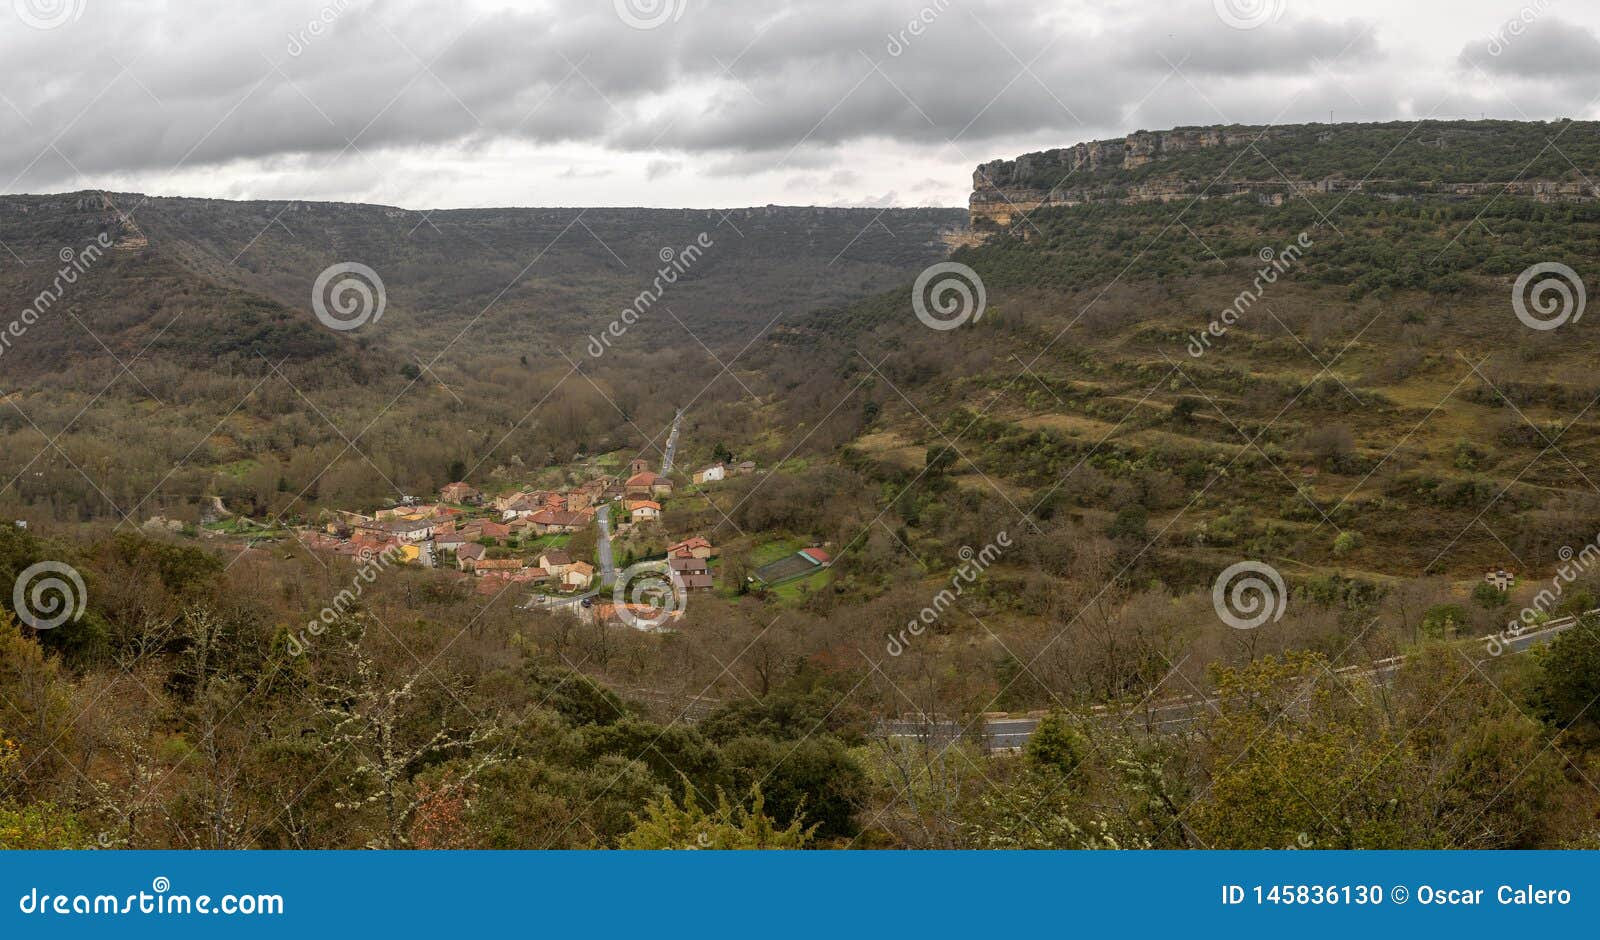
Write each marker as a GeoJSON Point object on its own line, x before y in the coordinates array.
{"type": "Point", "coordinates": [469, 555]}
{"type": "Point", "coordinates": [697, 582]}
{"type": "Point", "coordinates": [637, 616]}
{"type": "Point", "coordinates": [489, 530]}
{"type": "Point", "coordinates": [691, 572]}
{"type": "Point", "coordinates": [578, 575]}
{"type": "Point", "coordinates": [408, 530]}
{"type": "Point", "coordinates": [698, 547]}
{"type": "Point", "coordinates": [639, 485]}
{"type": "Point", "coordinates": [555, 561]}
{"type": "Point", "coordinates": [688, 565]}
{"type": "Point", "coordinates": [559, 521]}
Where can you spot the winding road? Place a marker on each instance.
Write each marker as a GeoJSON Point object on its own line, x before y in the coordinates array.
{"type": "Point", "coordinates": [672, 444]}
{"type": "Point", "coordinates": [608, 567]}
{"type": "Point", "coordinates": [1180, 715]}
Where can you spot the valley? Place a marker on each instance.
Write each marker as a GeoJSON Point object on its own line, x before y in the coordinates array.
{"type": "Point", "coordinates": [784, 531]}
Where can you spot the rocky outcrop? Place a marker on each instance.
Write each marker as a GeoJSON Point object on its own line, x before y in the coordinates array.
{"type": "Point", "coordinates": [1126, 153]}
{"type": "Point", "coordinates": [1004, 190]}
{"type": "Point", "coordinates": [1145, 167]}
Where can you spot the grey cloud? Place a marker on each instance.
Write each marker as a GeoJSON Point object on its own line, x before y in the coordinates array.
{"type": "Point", "coordinates": [767, 161]}
{"type": "Point", "coordinates": [732, 89]}
{"type": "Point", "coordinates": [886, 200]}
{"type": "Point", "coordinates": [583, 173]}
{"type": "Point", "coordinates": [658, 169]}
{"type": "Point", "coordinates": [1289, 47]}
{"type": "Point", "coordinates": [1534, 47]}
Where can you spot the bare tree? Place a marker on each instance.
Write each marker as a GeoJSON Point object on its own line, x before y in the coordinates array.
{"type": "Point", "coordinates": [380, 732]}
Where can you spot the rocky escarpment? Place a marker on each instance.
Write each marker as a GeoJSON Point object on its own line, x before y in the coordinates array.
{"type": "Point", "coordinates": [49, 223]}
{"type": "Point", "coordinates": [1005, 189]}
{"type": "Point", "coordinates": [1397, 160]}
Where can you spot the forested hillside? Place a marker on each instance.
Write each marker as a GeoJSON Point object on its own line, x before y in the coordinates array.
{"type": "Point", "coordinates": [184, 359]}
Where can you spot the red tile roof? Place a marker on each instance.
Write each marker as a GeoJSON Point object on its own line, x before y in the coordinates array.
{"type": "Point", "coordinates": [817, 555]}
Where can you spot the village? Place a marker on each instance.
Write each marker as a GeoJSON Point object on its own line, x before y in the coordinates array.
{"type": "Point", "coordinates": [525, 540]}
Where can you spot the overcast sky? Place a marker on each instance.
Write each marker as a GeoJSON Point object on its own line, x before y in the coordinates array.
{"type": "Point", "coordinates": [717, 102]}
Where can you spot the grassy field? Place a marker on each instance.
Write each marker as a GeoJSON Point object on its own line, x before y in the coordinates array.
{"type": "Point", "coordinates": [796, 590]}
{"type": "Point", "coordinates": [545, 543]}
{"type": "Point", "coordinates": [774, 549]}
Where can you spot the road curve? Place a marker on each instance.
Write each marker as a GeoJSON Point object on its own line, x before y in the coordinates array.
{"type": "Point", "coordinates": [1179, 715]}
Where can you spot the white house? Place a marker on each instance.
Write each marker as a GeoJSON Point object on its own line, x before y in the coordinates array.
{"type": "Point", "coordinates": [409, 530]}
{"type": "Point", "coordinates": [711, 474]}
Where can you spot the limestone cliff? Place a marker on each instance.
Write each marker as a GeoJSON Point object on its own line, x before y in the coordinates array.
{"type": "Point", "coordinates": [1441, 159]}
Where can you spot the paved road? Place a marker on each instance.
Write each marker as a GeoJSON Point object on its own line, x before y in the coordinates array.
{"type": "Point", "coordinates": [557, 604]}
{"type": "Point", "coordinates": [608, 568]}
{"type": "Point", "coordinates": [672, 444]}
{"type": "Point", "coordinates": [1180, 715]}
